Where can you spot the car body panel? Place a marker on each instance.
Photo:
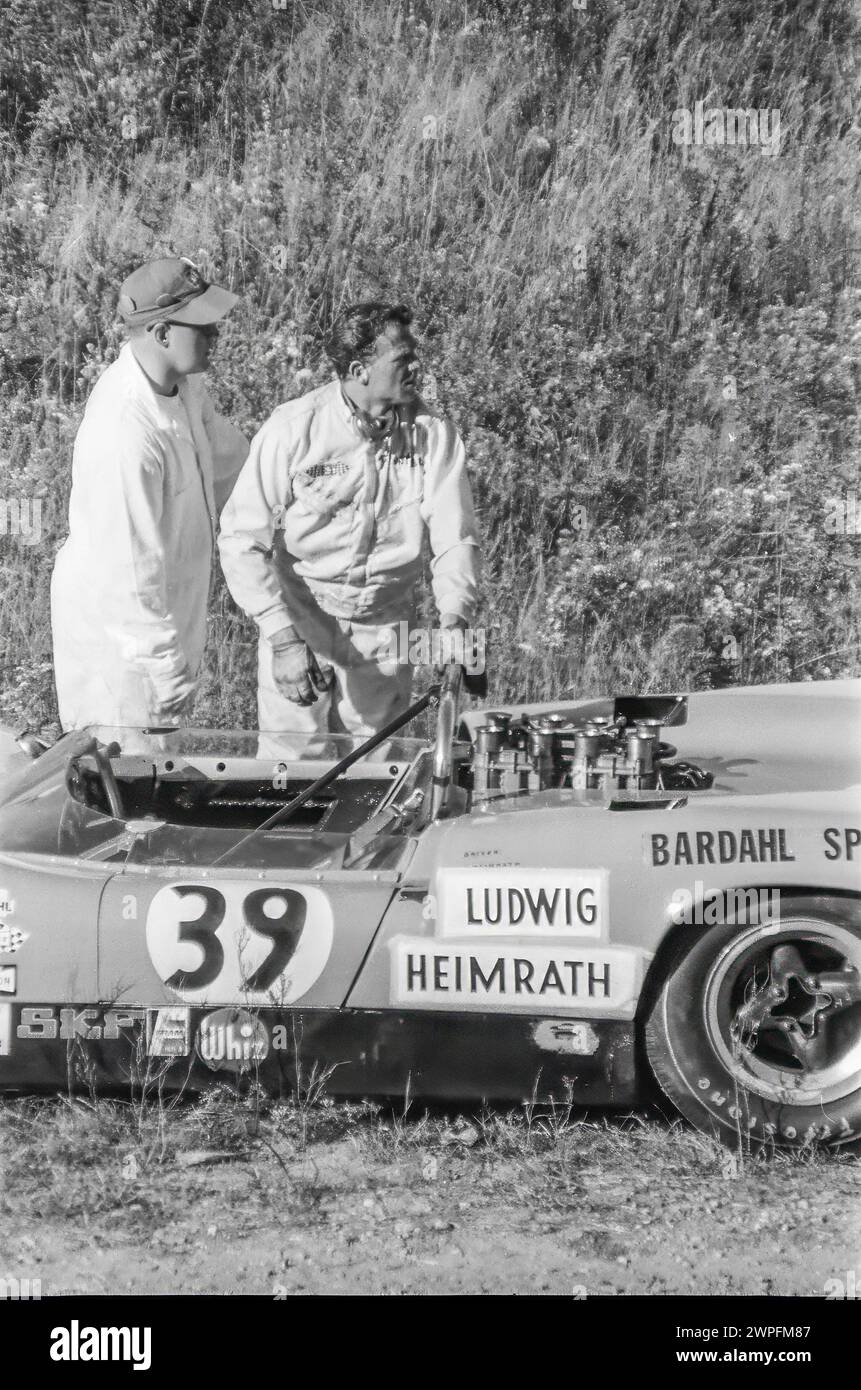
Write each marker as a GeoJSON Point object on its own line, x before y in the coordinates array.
{"type": "Point", "coordinates": [140, 946]}
{"type": "Point", "coordinates": [49, 927]}
{"type": "Point", "coordinates": [354, 1052]}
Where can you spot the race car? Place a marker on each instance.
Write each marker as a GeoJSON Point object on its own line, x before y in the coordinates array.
{"type": "Point", "coordinates": [569, 901]}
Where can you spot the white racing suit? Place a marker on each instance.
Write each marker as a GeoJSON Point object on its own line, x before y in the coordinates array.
{"type": "Point", "coordinates": [323, 532]}
{"type": "Point", "coordinates": [130, 586]}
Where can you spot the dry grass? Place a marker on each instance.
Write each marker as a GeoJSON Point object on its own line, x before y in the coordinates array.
{"type": "Point", "coordinates": [244, 1194]}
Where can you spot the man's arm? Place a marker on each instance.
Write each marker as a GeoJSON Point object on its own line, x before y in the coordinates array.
{"type": "Point", "coordinates": [248, 524]}
{"type": "Point", "coordinates": [452, 527]}
{"type": "Point", "coordinates": [149, 636]}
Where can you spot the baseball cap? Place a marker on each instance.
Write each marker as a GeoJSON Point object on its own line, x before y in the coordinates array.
{"type": "Point", "coordinates": [172, 288]}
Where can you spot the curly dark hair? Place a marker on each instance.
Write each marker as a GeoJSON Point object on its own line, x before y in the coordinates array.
{"type": "Point", "coordinates": [357, 328]}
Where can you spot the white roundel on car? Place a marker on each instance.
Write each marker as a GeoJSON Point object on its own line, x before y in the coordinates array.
{"type": "Point", "coordinates": [226, 943]}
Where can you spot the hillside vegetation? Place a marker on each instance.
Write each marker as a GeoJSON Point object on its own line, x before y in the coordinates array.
{"type": "Point", "coordinates": [651, 349]}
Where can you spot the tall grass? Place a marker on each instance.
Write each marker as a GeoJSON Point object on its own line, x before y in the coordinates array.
{"type": "Point", "coordinates": [650, 350]}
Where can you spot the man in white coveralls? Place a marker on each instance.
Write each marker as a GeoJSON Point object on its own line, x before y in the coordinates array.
{"type": "Point", "coordinates": [322, 537]}
{"type": "Point", "coordinates": [153, 462]}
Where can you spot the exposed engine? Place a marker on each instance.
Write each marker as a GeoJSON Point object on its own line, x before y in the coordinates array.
{"type": "Point", "coordinates": [601, 754]}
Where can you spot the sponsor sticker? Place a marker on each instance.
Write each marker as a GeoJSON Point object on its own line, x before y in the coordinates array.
{"type": "Point", "coordinates": [522, 902]}
{"type": "Point", "coordinates": [5, 1030]}
{"type": "Point", "coordinates": [760, 845]}
{"type": "Point", "coordinates": [753, 845]}
{"type": "Point", "coordinates": [169, 1032]}
{"type": "Point", "coordinates": [11, 939]}
{"type": "Point", "coordinates": [266, 945]}
{"type": "Point", "coordinates": [45, 1023]}
{"type": "Point", "coordinates": [842, 842]}
{"type": "Point", "coordinates": [8, 979]}
{"type": "Point", "coordinates": [570, 1039]}
{"type": "Point", "coordinates": [232, 1040]}
{"type": "Point", "coordinates": [535, 978]}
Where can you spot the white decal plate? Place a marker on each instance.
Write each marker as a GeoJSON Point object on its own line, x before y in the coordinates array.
{"type": "Point", "coordinates": [232, 943]}
{"type": "Point", "coordinates": [169, 1031]}
{"type": "Point", "coordinates": [540, 978]}
{"type": "Point", "coordinates": [522, 902]}
{"type": "Point", "coordinates": [566, 1037]}
{"type": "Point", "coordinates": [8, 975]}
{"type": "Point", "coordinates": [5, 1030]}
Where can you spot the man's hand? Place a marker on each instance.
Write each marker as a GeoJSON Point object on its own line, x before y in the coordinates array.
{"type": "Point", "coordinates": [295, 669]}
{"type": "Point", "coordinates": [172, 711]}
{"type": "Point", "coordinates": [475, 682]}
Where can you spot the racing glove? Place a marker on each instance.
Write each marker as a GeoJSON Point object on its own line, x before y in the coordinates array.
{"type": "Point", "coordinates": [475, 681]}
{"type": "Point", "coordinates": [295, 669]}
{"type": "Point", "coordinates": [175, 709]}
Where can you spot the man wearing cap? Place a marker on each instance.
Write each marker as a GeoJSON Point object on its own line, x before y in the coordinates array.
{"type": "Point", "coordinates": [321, 540]}
{"type": "Point", "coordinates": [152, 463]}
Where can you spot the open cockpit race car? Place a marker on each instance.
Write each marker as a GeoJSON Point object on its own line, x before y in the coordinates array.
{"type": "Point", "coordinates": [569, 902]}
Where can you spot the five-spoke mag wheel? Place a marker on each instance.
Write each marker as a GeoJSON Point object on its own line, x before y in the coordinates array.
{"type": "Point", "coordinates": [756, 1031]}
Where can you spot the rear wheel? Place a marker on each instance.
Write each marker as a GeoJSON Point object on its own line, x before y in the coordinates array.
{"type": "Point", "coordinates": [756, 1031]}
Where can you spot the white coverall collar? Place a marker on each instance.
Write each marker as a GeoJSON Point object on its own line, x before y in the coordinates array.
{"type": "Point", "coordinates": [352, 416]}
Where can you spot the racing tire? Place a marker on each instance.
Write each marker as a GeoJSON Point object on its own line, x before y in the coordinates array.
{"type": "Point", "coordinates": [755, 1033]}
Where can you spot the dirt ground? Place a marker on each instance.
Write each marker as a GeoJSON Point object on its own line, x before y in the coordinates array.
{"type": "Point", "coordinates": [231, 1196]}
